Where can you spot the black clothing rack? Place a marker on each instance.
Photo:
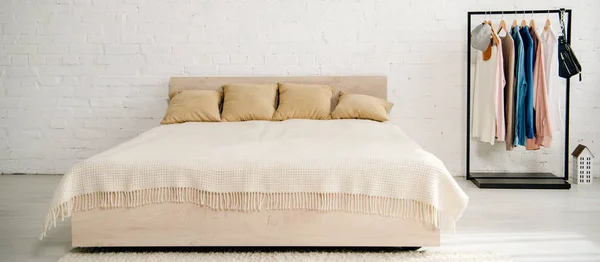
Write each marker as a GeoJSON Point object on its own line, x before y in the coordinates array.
{"type": "Point", "coordinates": [518, 180]}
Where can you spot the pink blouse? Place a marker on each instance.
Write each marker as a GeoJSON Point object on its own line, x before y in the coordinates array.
{"type": "Point", "coordinates": [543, 130]}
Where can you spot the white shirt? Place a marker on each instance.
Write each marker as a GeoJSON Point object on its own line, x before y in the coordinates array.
{"type": "Point", "coordinates": [484, 97]}
{"type": "Point", "coordinates": [550, 44]}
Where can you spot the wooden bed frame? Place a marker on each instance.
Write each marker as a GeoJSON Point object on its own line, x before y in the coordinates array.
{"type": "Point", "coordinates": [170, 224]}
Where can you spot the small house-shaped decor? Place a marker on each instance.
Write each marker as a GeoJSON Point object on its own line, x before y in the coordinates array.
{"type": "Point", "coordinates": [582, 165]}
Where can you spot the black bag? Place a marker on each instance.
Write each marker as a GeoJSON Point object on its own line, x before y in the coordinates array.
{"type": "Point", "coordinates": [568, 65]}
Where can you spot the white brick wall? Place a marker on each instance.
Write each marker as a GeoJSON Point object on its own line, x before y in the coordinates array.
{"type": "Point", "coordinates": [80, 76]}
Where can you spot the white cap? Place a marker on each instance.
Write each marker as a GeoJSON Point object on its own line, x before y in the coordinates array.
{"type": "Point", "coordinates": [481, 36]}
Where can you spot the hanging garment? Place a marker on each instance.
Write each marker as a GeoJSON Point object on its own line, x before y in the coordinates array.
{"type": "Point", "coordinates": [484, 89]}
{"type": "Point", "coordinates": [530, 143]}
{"type": "Point", "coordinates": [508, 55]}
{"type": "Point", "coordinates": [520, 88]}
{"type": "Point", "coordinates": [543, 132]}
{"type": "Point", "coordinates": [528, 65]}
{"type": "Point", "coordinates": [500, 82]}
{"type": "Point", "coordinates": [549, 42]}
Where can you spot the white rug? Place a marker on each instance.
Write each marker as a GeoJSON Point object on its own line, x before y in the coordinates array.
{"type": "Point", "coordinates": [150, 255]}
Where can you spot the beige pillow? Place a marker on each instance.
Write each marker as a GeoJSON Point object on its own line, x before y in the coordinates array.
{"type": "Point", "coordinates": [193, 106]}
{"type": "Point", "coordinates": [304, 101]}
{"type": "Point", "coordinates": [245, 102]}
{"type": "Point", "coordinates": [355, 106]}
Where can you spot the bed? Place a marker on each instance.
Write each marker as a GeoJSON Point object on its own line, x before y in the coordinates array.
{"type": "Point", "coordinates": [262, 183]}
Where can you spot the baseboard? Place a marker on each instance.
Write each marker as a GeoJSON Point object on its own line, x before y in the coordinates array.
{"type": "Point", "coordinates": [29, 174]}
{"type": "Point", "coordinates": [50, 174]}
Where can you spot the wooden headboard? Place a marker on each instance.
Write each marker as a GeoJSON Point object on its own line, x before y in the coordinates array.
{"type": "Point", "coordinates": [369, 85]}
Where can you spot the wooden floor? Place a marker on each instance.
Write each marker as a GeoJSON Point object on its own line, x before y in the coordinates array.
{"type": "Point", "coordinates": [528, 225]}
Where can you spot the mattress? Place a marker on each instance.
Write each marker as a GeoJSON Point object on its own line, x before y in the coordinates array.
{"type": "Point", "coordinates": [355, 166]}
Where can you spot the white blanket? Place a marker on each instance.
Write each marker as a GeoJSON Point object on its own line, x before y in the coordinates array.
{"type": "Point", "coordinates": [333, 165]}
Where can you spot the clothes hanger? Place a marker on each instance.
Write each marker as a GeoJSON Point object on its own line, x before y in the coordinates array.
{"type": "Point", "coordinates": [494, 36]}
{"type": "Point", "coordinates": [503, 25]}
{"type": "Point", "coordinates": [485, 18]}
{"type": "Point", "coordinates": [547, 25]}
{"type": "Point", "coordinates": [487, 54]}
{"type": "Point", "coordinates": [532, 22]}
{"type": "Point", "coordinates": [523, 22]}
{"type": "Point", "coordinates": [515, 23]}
